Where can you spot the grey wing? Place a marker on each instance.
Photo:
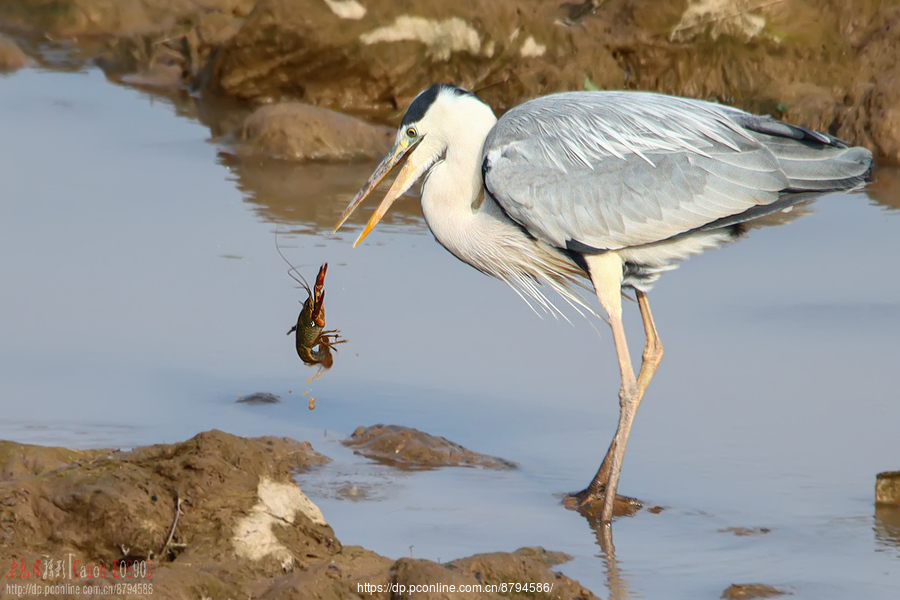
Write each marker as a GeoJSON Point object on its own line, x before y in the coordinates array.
{"type": "Point", "coordinates": [607, 170]}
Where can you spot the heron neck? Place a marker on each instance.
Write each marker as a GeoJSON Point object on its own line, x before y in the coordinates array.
{"type": "Point", "coordinates": [452, 191]}
{"type": "Point", "coordinates": [464, 219]}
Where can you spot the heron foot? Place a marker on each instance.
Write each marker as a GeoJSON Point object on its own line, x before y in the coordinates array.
{"type": "Point", "coordinates": [590, 504]}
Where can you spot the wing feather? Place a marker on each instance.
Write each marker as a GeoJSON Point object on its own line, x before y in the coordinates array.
{"type": "Point", "coordinates": [610, 170]}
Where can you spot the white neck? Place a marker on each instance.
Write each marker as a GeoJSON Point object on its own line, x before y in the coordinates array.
{"type": "Point", "coordinates": [471, 225]}
{"type": "Point", "coordinates": [453, 188]}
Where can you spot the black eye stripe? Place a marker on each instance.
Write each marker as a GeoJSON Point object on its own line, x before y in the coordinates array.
{"type": "Point", "coordinates": [423, 101]}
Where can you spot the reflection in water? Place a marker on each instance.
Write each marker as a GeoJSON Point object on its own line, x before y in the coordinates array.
{"type": "Point", "coordinates": [885, 190]}
{"type": "Point", "coordinates": [615, 579]}
{"type": "Point", "coordinates": [310, 195]}
{"type": "Point", "coordinates": [887, 525]}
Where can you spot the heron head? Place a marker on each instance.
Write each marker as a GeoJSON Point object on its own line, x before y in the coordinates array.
{"type": "Point", "coordinates": [423, 137]}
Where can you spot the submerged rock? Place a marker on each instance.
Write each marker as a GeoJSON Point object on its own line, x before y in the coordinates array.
{"type": "Point", "coordinates": [408, 448]}
{"type": "Point", "coordinates": [217, 516]}
{"type": "Point", "coordinates": [296, 131]}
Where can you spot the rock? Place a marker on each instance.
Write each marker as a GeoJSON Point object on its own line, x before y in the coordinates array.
{"type": "Point", "coordinates": [872, 116]}
{"type": "Point", "coordinates": [69, 18]}
{"type": "Point", "coordinates": [295, 131]}
{"type": "Point", "coordinates": [157, 76]}
{"type": "Point", "coordinates": [887, 488]}
{"type": "Point", "coordinates": [12, 58]}
{"type": "Point", "coordinates": [304, 50]}
{"type": "Point", "coordinates": [168, 56]}
{"type": "Point", "coordinates": [529, 568]}
{"type": "Point", "coordinates": [747, 591]}
{"type": "Point", "coordinates": [408, 448]}
{"type": "Point", "coordinates": [526, 565]}
{"type": "Point", "coordinates": [82, 18]}
{"type": "Point", "coordinates": [217, 516]}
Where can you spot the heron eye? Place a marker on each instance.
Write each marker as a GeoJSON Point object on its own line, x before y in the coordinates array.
{"type": "Point", "coordinates": [411, 132]}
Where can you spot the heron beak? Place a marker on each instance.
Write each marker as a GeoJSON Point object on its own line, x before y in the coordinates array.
{"type": "Point", "coordinates": [407, 176]}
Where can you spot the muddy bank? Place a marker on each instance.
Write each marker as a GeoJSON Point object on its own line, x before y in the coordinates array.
{"type": "Point", "coordinates": [12, 57]}
{"type": "Point", "coordinates": [832, 66]}
{"type": "Point", "coordinates": [216, 516]}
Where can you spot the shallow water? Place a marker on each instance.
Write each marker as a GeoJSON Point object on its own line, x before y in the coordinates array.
{"type": "Point", "coordinates": [143, 295]}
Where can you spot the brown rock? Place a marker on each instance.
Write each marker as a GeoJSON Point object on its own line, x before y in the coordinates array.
{"type": "Point", "coordinates": [747, 591]}
{"type": "Point", "coordinates": [530, 566]}
{"type": "Point", "coordinates": [295, 131]}
{"type": "Point", "coordinates": [437, 581]}
{"type": "Point", "coordinates": [300, 49]}
{"type": "Point", "coordinates": [77, 18]}
{"type": "Point", "coordinates": [12, 58]}
{"type": "Point", "coordinates": [873, 116]}
{"type": "Point", "coordinates": [408, 448]}
{"type": "Point", "coordinates": [887, 488]}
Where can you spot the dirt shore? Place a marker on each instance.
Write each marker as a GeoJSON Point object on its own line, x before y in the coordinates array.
{"type": "Point", "coordinates": [216, 516]}
{"type": "Point", "coordinates": [831, 66]}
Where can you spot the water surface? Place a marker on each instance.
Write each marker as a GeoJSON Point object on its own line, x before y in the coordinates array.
{"type": "Point", "coordinates": [142, 295]}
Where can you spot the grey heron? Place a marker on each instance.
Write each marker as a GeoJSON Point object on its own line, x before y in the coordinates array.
{"type": "Point", "coordinates": [608, 187]}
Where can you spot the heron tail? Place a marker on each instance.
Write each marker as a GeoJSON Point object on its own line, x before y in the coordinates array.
{"type": "Point", "coordinates": [812, 161]}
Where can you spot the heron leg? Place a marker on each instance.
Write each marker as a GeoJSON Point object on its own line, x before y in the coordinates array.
{"type": "Point", "coordinates": [653, 348]}
{"type": "Point", "coordinates": [653, 353]}
{"type": "Point", "coordinates": [606, 274]}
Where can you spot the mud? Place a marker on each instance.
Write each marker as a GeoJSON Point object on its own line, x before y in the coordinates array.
{"type": "Point", "coordinates": [832, 67]}
{"type": "Point", "coordinates": [408, 448]}
{"type": "Point", "coordinates": [216, 516]}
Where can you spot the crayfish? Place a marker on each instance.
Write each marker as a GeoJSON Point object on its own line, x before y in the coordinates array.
{"type": "Point", "coordinates": [314, 344]}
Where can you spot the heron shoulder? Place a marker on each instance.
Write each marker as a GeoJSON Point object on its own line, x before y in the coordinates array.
{"type": "Point", "coordinates": [584, 127]}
